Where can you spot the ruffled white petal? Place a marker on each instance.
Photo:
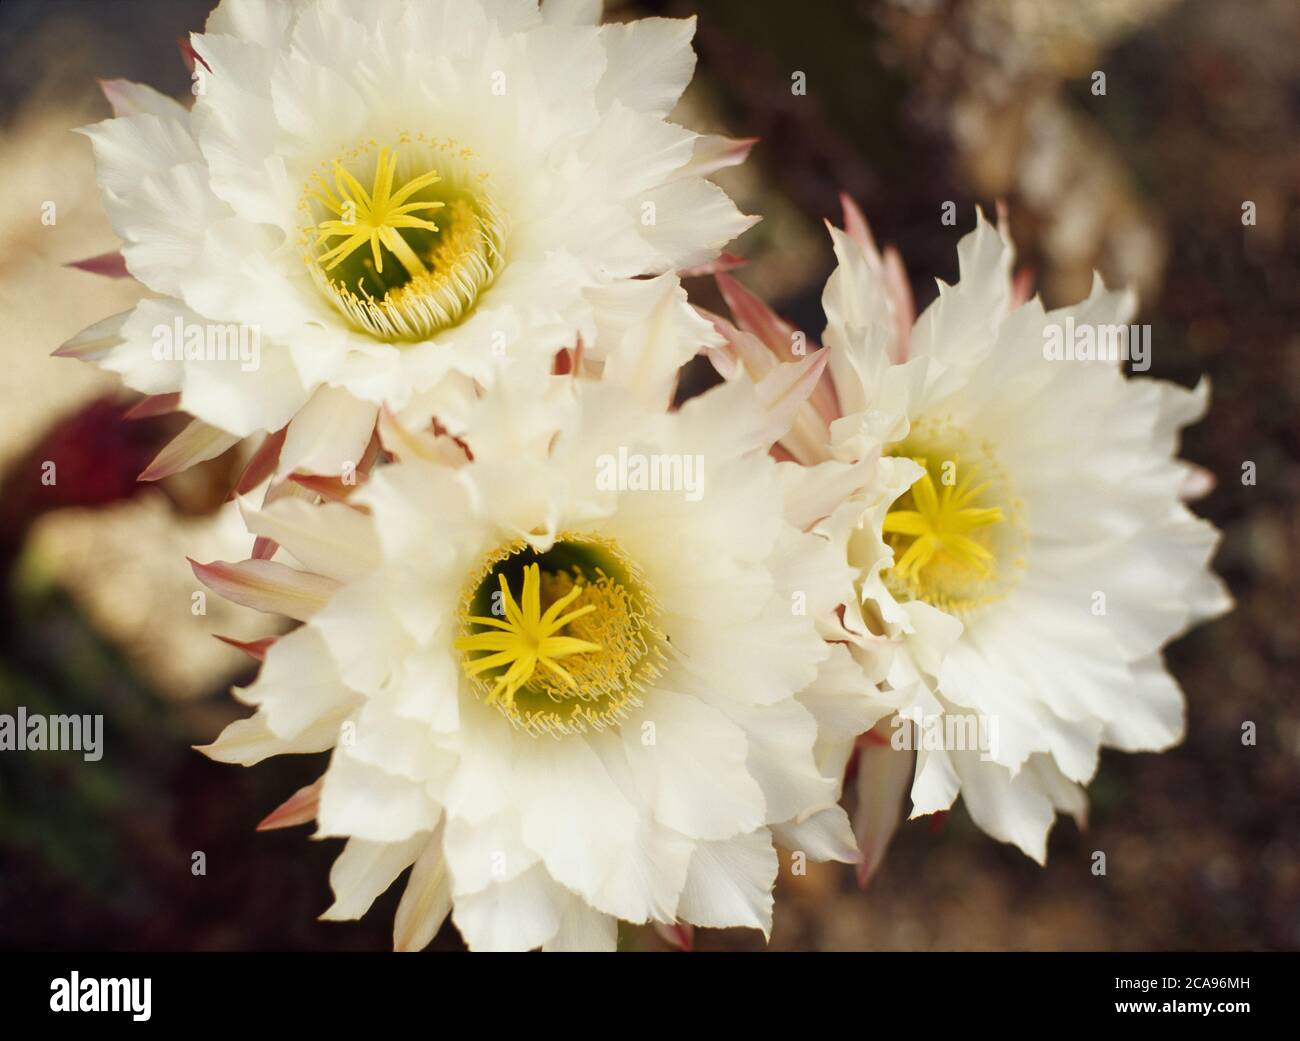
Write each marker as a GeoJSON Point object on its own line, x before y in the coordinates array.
{"type": "Point", "coordinates": [730, 883]}
{"type": "Point", "coordinates": [364, 871]}
{"type": "Point", "coordinates": [693, 762]}
{"type": "Point", "coordinates": [361, 800]}
{"type": "Point", "coordinates": [329, 435]}
{"type": "Point", "coordinates": [517, 915]}
{"type": "Point", "coordinates": [425, 903]}
{"type": "Point", "coordinates": [583, 930]}
{"type": "Point", "coordinates": [650, 62]}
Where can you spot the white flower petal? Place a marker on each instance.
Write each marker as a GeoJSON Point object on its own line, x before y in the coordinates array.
{"type": "Point", "coordinates": [331, 539]}
{"type": "Point", "coordinates": [650, 62]}
{"type": "Point", "coordinates": [572, 814]}
{"type": "Point", "coordinates": [695, 764]}
{"type": "Point", "coordinates": [297, 686]}
{"type": "Point", "coordinates": [330, 434]}
{"type": "Point", "coordinates": [730, 883]}
{"type": "Point", "coordinates": [583, 930]}
{"type": "Point", "coordinates": [572, 12]}
{"type": "Point", "coordinates": [826, 835]}
{"type": "Point", "coordinates": [365, 870]}
{"type": "Point", "coordinates": [362, 801]}
{"type": "Point", "coordinates": [426, 901]}
{"type": "Point", "coordinates": [693, 220]}
{"type": "Point", "coordinates": [249, 741]}
{"type": "Point", "coordinates": [517, 915]}
{"type": "Point", "coordinates": [483, 853]}
{"type": "Point", "coordinates": [132, 148]}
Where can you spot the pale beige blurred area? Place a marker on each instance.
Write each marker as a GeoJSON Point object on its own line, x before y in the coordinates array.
{"type": "Point", "coordinates": [1064, 39]}
{"type": "Point", "coordinates": [997, 70]}
{"type": "Point", "coordinates": [1069, 175]}
{"type": "Point", "coordinates": [43, 303]}
{"type": "Point", "coordinates": [124, 565]}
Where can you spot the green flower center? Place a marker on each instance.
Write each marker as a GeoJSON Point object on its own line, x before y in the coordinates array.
{"type": "Point", "coordinates": [560, 641]}
{"type": "Point", "coordinates": [404, 240]}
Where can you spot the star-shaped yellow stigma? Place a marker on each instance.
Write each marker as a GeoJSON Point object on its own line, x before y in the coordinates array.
{"type": "Point", "coordinates": [941, 523]}
{"type": "Point", "coordinates": [526, 638]}
{"type": "Point", "coordinates": [373, 217]}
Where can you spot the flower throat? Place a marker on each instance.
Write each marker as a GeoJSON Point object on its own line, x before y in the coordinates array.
{"type": "Point", "coordinates": [402, 241]}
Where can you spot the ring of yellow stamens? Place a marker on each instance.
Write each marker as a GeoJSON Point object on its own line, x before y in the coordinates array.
{"type": "Point", "coordinates": [955, 533]}
{"type": "Point", "coordinates": [402, 240]}
{"type": "Point", "coordinates": [574, 648]}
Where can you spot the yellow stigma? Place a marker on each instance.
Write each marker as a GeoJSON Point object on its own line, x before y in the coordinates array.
{"type": "Point", "coordinates": [955, 533]}
{"type": "Point", "coordinates": [942, 523]}
{"type": "Point", "coordinates": [374, 217]}
{"type": "Point", "coordinates": [402, 240]}
{"type": "Point", "coordinates": [527, 638]}
{"type": "Point", "coordinates": [573, 650]}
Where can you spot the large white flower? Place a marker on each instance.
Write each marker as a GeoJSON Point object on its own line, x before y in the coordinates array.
{"type": "Point", "coordinates": [1023, 551]}
{"type": "Point", "coordinates": [568, 664]}
{"type": "Point", "coordinates": [388, 191]}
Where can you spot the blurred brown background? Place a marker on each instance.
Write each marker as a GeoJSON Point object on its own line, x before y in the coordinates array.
{"type": "Point", "coordinates": [909, 104]}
